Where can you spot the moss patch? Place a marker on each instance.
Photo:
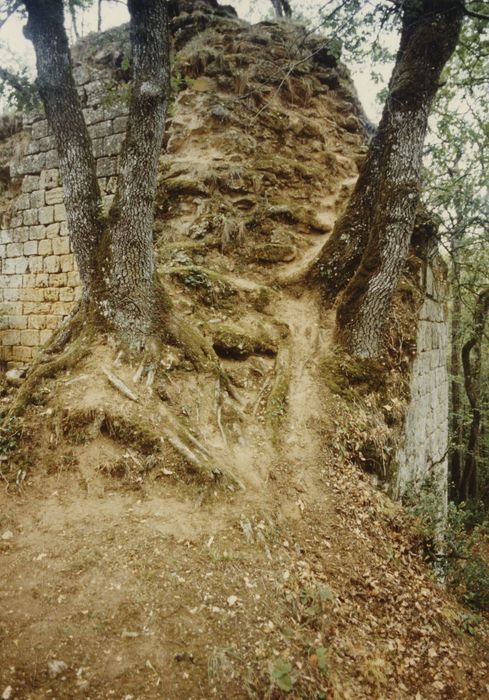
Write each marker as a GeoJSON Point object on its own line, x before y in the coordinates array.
{"type": "Point", "coordinates": [235, 343]}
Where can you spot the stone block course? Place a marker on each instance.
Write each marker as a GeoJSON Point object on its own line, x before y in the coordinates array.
{"type": "Point", "coordinates": [30, 217]}
{"type": "Point", "coordinates": [423, 454]}
{"type": "Point", "coordinates": [59, 212]}
{"type": "Point", "coordinates": [54, 196]}
{"type": "Point", "coordinates": [37, 199]}
{"type": "Point", "coordinates": [39, 282]}
{"type": "Point", "coordinates": [46, 215]}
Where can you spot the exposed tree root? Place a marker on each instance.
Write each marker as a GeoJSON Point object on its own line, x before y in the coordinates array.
{"type": "Point", "coordinates": [44, 367]}
{"type": "Point", "coordinates": [120, 385]}
{"type": "Point", "coordinates": [279, 394]}
{"type": "Point", "coordinates": [194, 344]}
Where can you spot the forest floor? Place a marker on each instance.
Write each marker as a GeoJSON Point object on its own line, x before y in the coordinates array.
{"type": "Point", "coordinates": [126, 570]}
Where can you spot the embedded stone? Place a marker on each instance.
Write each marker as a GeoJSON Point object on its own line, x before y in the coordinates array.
{"type": "Point", "coordinates": [274, 252]}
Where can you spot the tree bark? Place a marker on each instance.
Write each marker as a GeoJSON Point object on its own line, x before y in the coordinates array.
{"type": "Point", "coordinates": [114, 255]}
{"type": "Point", "coordinates": [472, 361]}
{"type": "Point", "coordinates": [72, 8]}
{"type": "Point", "coordinates": [384, 203]}
{"type": "Point", "coordinates": [99, 15]}
{"type": "Point", "coordinates": [132, 214]}
{"type": "Point", "coordinates": [45, 28]}
{"type": "Point", "coordinates": [282, 7]}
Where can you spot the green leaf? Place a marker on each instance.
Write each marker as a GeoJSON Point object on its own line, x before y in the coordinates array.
{"type": "Point", "coordinates": [321, 655]}
{"type": "Point", "coordinates": [281, 674]}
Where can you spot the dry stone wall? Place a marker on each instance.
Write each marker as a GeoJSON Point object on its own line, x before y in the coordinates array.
{"type": "Point", "coordinates": [39, 283]}
{"type": "Point", "coordinates": [422, 459]}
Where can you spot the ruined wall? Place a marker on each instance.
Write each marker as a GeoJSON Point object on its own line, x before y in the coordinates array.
{"type": "Point", "coordinates": [423, 457]}
{"type": "Point", "coordinates": [38, 279]}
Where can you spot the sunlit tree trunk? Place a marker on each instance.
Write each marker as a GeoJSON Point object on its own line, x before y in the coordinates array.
{"type": "Point", "coordinates": [379, 219]}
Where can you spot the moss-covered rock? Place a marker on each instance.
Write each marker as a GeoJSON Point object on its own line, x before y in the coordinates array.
{"type": "Point", "coordinates": [274, 252]}
{"type": "Point", "coordinates": [232, 342]}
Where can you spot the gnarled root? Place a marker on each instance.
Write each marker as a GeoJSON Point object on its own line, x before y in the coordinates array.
{"type": "Point", "coordinates": [46, 366]}
{"type": "Point", "coordinates": [193, 343]}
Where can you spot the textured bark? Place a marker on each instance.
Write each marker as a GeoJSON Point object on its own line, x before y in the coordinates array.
{"type": "Point", "coordinates": [132, 214]}
{"type": "Point", "coordinates": [472, 360]}
{"type": "Point", "coordinates": [114, 257]}
{"type": "Point", "coordinates": [45, 28]}
{"type": "Point", "coordinates": [343, 251]}
{"type": "Point", "coordinates": [72, 9]}
{"type": "Point", "coordinates": [282, 7]}
{"type": "Point", "coordinates": [430, 33]}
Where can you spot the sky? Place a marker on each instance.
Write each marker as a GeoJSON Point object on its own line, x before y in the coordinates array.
{"type": "Point", "coordinates": [13, 42]}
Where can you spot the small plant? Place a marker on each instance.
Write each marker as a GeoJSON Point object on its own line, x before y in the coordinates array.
{"type": "Point", "coordinates": [282, 676]}
{"type": "Point", "coordinates": [10, 433]}
{"type": "Point", "coordinates": [469, 623]}
{"type": "Point", "coordinates": [197, 279]}
{"type": "Point", "coordinates": [278, 407]}
{"type": "Point", "coordinates": [455, 544]}
{"type": "Point", "coordinates": [321, 659]}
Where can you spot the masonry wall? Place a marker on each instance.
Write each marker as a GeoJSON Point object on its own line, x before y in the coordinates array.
{"type": "Point", "coordinates": [423, 456]}
{"type": "Point", "coordinates": [39, 282]}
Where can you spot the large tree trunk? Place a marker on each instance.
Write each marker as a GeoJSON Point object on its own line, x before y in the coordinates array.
{"type": "Point", "coordinates": [343, 251]}
{"type": "Point", "coordinates": [114, 257]}
{"type": "Point", "coordinates": [45, 28]}
{"type": "Point", "coordinates": [132, 213]}
{"type": "Point", "coordinates": [385, 201]}
{"type": "Point", "coordinates": [472, 361]}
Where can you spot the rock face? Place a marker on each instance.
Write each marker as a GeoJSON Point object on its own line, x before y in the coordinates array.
{"type": "Point", "coordinates": [256, 170]}
{"type": "Point", "coordinates": [422, 459]}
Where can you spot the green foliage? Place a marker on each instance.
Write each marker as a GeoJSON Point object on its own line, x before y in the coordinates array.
{"type": "Point", "coordinates": [457, 544]}
{"type": "Point", "coordinates": [278, 407]}
{"type": "Point", "coordinates": [282, 676]}
{"type": "Point", "coordinates": [116, 94]}
{"type": "Point", "coordinates": [179, 81]}
{"type": "Point", "coordinates": [321, 657]}
{"type": "Point", "coordinates": [10, 434]}
{"type": "Point", "coordinates": [197, 279]}
{"type": "Point", "coordinates": [18, 90]}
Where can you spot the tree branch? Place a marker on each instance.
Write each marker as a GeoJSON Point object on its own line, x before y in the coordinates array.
{"type": "Point", "coordinates": [473, 13]}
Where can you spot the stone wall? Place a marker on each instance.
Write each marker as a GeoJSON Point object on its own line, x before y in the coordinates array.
{"type": "Point", "coordinates": [423, 457]}
{"type": "Point", "coordinates": [38, 278]}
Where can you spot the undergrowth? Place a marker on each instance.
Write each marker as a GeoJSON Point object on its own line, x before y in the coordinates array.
{"type": "Point", "coordinates": [457, 543]}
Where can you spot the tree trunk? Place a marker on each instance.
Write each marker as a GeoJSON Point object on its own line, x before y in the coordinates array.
{"type": "Point", "coordinates": [132, 214]}
{"type": "Point", "coordinates": [99, 15]}
{"type": "Point", "coordinates": [45, 28]}
{"type": "Point", "coordinates": [472, 361]}
{"type": "Point", "coordinates": [114, 256]}
{"type": "Point", "coordinates": [388, 191]}
{"type": "Point", "coordinates": [72, 8]}
{"type": "Point", "coordinates": [282, 7]}
{"type": "Point", "coordinates": [343, 251]}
